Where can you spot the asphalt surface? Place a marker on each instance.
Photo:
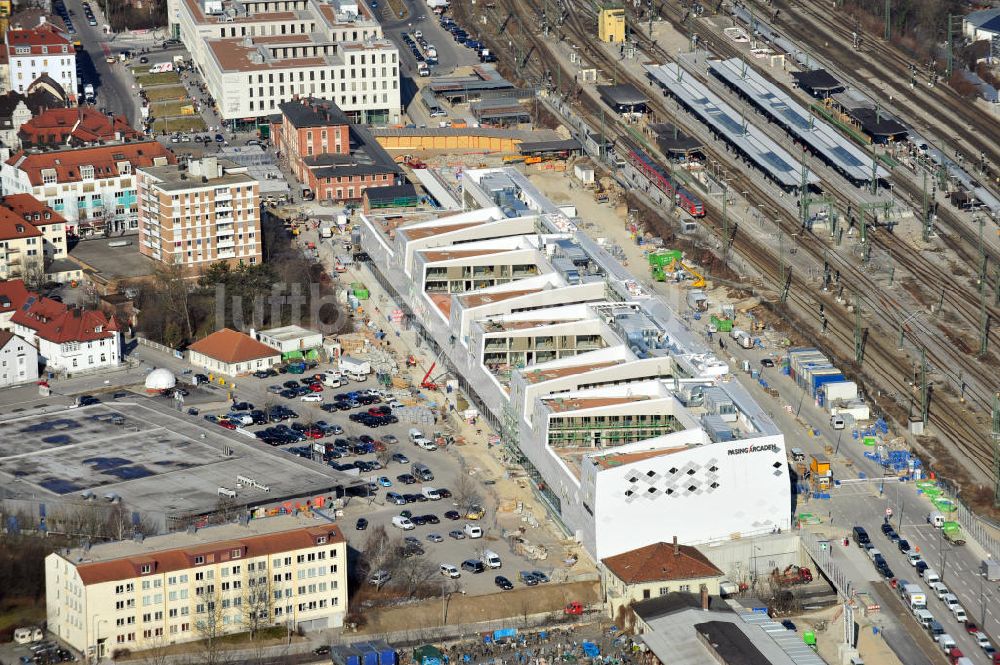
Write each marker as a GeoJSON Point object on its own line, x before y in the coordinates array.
{"type": "Point", "coordinates": [863, 503]}
{"type": "Point", "coordinates": [110, 82]}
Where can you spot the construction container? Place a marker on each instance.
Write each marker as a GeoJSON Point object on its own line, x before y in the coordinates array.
{"type": "Point", "coordinates": [840, 391]}
{"type": "Point", "coordinates": [820, 465]}
{"type": "Point", "coordinates": [797, 358]}
{"type": "Point", "coordinates": [721, 324]}
{"type": "Point", "coordinates": [821, 377]}
{"type": "Point", "coordinates": [359, 290]}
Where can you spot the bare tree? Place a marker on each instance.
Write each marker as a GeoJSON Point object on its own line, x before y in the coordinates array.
{"type": "Point", "coordinates": [384, 457]}
{"type": "Point", "coordinates": [409, 574]}
{"type": "Point", "coordinates": [379, 553]}
{"type": "Point", "coordinates": [258, 606]}
{"type": "Point", "coordinates": [466, 491]}
{"type": "Point", "coordinates": [208, 625]}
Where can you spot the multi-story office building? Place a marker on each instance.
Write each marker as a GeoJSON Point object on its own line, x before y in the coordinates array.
{"type": "Point", "coordinates": [624, 422]}
{"type": "Point", "coordinates": [206, 212]}
{"type": "Point", "coordinates": [181, 587]}
{"type": "Point", "coordinates": [257, 54]}
{"type": "Point", "coordinates": [43, 49]}
{"type": "Point", "coordinates": [93, 188]}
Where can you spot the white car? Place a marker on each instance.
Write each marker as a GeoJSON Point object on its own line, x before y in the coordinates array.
{"type": "Point", "coordinates": [913, 558]}
{"type": "Point", "coordinates": [379, 578]}
{"type": "Point", "coordinates": [449, 570]}
{"type": "Point", "coordinates": [982, 640]}
{"type": "Point", "coordinates": [315, 397]}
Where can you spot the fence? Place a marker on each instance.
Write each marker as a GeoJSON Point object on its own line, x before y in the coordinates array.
{"type": "Point", "coordinates": [821, 552]}
{"type": "Point", "coordinates": [979, 529]}
{"type": "Point", "coordinates": [142, 341]}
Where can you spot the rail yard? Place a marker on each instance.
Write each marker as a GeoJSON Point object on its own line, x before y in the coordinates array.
{"type": "Point", "coordinates": [878, 265]}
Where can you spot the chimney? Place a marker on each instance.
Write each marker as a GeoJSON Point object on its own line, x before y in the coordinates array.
{"type": "Point", "coordinates": [704, 597]}
{"type": "Point", "coordinates": [41, 20]}
{"type": "Point", "coordinates": [677, 548]}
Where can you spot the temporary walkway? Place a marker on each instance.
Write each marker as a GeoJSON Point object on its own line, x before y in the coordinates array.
{"type": "Point", "coordinates": [758, 147]}
{"type": "Point", "coordinates": [835, 149]}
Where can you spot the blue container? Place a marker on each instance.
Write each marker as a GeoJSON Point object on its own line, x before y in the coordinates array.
{"type": "Point", "coordinates": [369, 657]}
{"type": "Point", "coordinates": [386, 656]}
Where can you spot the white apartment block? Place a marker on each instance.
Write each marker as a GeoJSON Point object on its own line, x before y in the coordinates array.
{"type": "Point", "coordinates": [41, 50]}
{"type": "Point", "coordinates": [206, 212]}
{"type": "Point", "coordinates": [179, 587]}
{"type": "Point", "coordinates": [18, 360]}
{"type": "Point", "coordinates": [630, 429]}
{"type": "Point", "coordinates": [255, 55]}
{"type": "Point", "coordinates": [92, 188]}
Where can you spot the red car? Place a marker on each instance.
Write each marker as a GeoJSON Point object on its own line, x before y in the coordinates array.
{"type": "Point", "coordinates": [316, 387]}
{"type": "Point", "coordinates": [228, 425]}
{"type": "Point", "coordinates": [314, 433]}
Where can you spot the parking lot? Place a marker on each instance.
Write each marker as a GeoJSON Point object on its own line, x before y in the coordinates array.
{"type": "Point", "coordinates": [392, 452]}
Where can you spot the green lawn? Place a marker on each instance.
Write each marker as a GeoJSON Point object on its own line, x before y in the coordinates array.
{"type": "Point", "coordinates": [169, 109]}
{"type": "Point", "coordinates": [187, 123]}
{"type": "Point", "coordinates": [145, 79]}
{"type": "Point", "coordinates": [166, 92]}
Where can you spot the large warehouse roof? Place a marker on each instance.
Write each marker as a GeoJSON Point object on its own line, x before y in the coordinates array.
{"type": "Point", "coordinates": [759, 147]}
{"type": "Point", "coordinates": [835, 148]}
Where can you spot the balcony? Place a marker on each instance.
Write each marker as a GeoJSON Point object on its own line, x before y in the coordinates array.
{"type": "Point", "coordinates": [225, 243]}
{"type": "Point", "coordinates": [223, 206]}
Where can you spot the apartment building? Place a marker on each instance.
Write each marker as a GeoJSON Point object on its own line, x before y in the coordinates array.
{"type": "Point", "coordinates": [43, 49]}
{"type": "Point", "coordinates": [18, 360]}
{"type": "Point", "coordinates": [336, 159]}
{"type": "Point", "coordinates": [256, 55]}
{"type": "Point", "coordinates": [93, 188]}
{"type": "Point", "coordinates": [68, 338]}
{"type": "Point", "coordinates": [179, 587]}
{"type": "Point", "coordinates": [13, 295]}
{"type": "Point", "coordinates": [625, 423]}
{"type": "Point", "coordinates": [206, 212]}
{"type": "Point", "coordinates": [32, 235]}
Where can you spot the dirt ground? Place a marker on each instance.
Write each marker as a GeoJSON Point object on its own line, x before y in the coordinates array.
{"type": "Point", "coordinates": [518, 603]}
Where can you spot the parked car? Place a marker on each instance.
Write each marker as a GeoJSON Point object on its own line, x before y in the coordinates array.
{"type": "Point", "coordinates": [503, 583]}
{"type": "Point", "coordinates": [361, 524]}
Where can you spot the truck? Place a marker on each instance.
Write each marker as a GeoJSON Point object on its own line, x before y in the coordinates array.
{"type": "Point", "coordinates": [914, 596]}
{"type": "Point", "coordinates": [88, 93]}
{"type": "Point", "coordinates": [326, 230]}
{"type": "Point", "coordinates": [349, 364]}
{"type": "Point", "coordinates": [990, 569]}
{"type": "Point", "coordinates": [952, 532]}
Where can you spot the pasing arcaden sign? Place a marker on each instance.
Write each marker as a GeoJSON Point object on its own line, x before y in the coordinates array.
{"type": "Point", "coordinates": [770, 447]}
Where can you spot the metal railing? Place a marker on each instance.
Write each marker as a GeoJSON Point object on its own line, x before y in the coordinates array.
{"type": "Point", "coordinates": [821, 552]}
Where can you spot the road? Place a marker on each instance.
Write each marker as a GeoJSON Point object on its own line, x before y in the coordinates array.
{"type": "Point", "coordinates": [111, 83]}
{"type": "Point", "coordinates": [863, 502]}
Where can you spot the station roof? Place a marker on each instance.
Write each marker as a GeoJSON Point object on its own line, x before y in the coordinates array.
{"type": "Point", "coordinates": [873, 122]}
{"type": "Point", "coordinates": [482, 78]}
{"type": "Point", "coordinates": [759, 147]}
{"type": "Point", "coordinates": [817, 79]}
{"type": "Point", "coordinates": [817, 134]}
{"type": "Point", "coordinates": [671, 139]}
{"type": "Point", "coordinates": [530, 147]}
{"type": "Point", "coordinates": [625, 94]}
{"type": "Point", "coordinates": [498, 109]}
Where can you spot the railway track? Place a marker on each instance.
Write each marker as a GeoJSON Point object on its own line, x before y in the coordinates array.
{"type": "Point", "coordinates": [977, 132]}
{"type": "Point", "coordinates": [894, 373]}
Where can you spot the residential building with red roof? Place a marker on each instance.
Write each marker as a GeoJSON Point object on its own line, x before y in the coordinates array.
{"type": "Point", "coordinates": [656, 570]}
{"type": "Point", "coordinates": [13, 295]}
{"type": "Point", "coordinates": [43, 49]}
{"type": "Point", "coordinates": [69, 339]}
{"type": "Point", "coordinates": [232, 353]}
{"type": "Point", "coordinates": [18, 360]}
{"type": "Point", "coordinates": [93, 188]}
{"type": "Point", "coordinates": [76, 126]}
{"type": "Point", "coordinates": [49, 223]}
{"type": "Point", "coordinates": [139, 593]}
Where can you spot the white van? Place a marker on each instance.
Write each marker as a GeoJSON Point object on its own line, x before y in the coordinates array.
{"type": "Point", "coordinates": [431, 493]}
{"type": "Point", "coordinates": [930, 576]}
{"type": "Point", "coordinates": [946, 642]}
{"type": "Point", "coordinates": [837, 422]}
{"type": "Point", "coordinates": [951, 600]}
{"type": "Point", "coordinates": [491, 559]}
{"type": "Point", "coordinates": [471, 530]}
{"type": "Point", "coordinates": [935, 518]}
{"type": "Point", "coordinates": [356, 376]}
{"type": "Point", "coordinates": [332, 379]}
{"type": "Point", "coordinates": [28, 635]}
{"type": "Point", "coordinates": [426, 444]}
{"type": "Point", "coordinates": [402, 522]}
{"type": "Point", "coordinates": [939, 590]}
{"type": "Point", "coordinates": [415, 434]}
{"type": "Point", "coordinates": [959, 612]}
{"type": "Point", "coordinates": [923, 617]}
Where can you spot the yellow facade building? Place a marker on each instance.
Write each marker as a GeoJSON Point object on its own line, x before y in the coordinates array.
{"type": "Point", "coordinates": [180, 587]}
{"type": "Point", "coordinates": [611, 23]}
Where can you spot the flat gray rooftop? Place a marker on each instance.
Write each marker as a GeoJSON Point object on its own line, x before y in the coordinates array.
{"type": "Point", "coordinates": [772, 100]}
{"type": "Point", "coordinates": [758, 146]}
{"type": "Point", "coordinates": [160, 461]}
{"type": "Point", "coordinates": [112, 262]}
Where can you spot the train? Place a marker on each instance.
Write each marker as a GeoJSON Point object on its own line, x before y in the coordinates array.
{"type": "Point", "coordinates": [661, 178]}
